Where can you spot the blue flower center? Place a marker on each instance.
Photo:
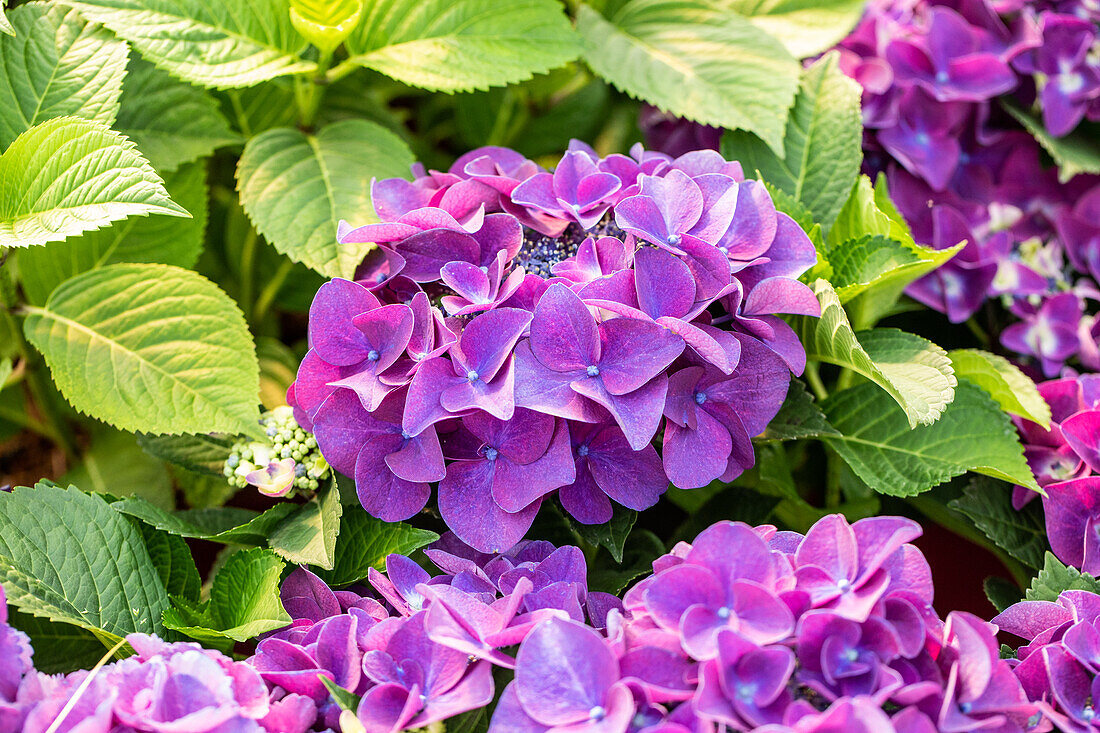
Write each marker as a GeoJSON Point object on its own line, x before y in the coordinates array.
{"type": "Point", "coordinates": [673, 239]}
{"type": "Point", "coordinates": [491, 453]}
{"type": "Point", "coordinates": [745, 691]}
{"type": "Point", "coordinates": [723, 612]}
{"type": "Point", "coordinates": [965, 708]}
{"type": "Point", "coordinates": [405, 434]}
{"type": "Point", "coordinates": [942, 77]}
{"type": "Point", "coordinates": [597, 713]}
{"type": "Point", "coordinates": [373, 355]}
{"type": "Point", "coordinates": [851, 655]}
{"type": "Point", "coordinates": [844, 585]}
{"type": "Point", "coordinates": [593, 371]}
{"type": "Point", "coordinates": [700, 397]}
{"type": "Point", "coordinates": [472, 375]}
{"type": "Point", "coordinates": [582, 450]}
{"type": "Point", "coordinates": [1088, 713]}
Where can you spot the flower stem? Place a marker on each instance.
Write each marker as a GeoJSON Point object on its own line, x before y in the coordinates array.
{"type": "Point", "coordinates": [813, 377]}
{"type": "Point", "coordinates": [274, 285]}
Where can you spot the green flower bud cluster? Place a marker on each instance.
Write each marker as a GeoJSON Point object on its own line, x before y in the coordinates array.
{"type": "Point", "coordinates": [288, 461]}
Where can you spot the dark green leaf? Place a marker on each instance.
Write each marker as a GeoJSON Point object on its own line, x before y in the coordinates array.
{"type": "Point", "coordinates": [799, 417]}
{"type": "Point", "coordinates": [365, 542]}
{"type": "Point", "coordinates": [1001, 593]}
{"type": "Point", "coordinates": [200, 453]}
{"type": "Point", "coordinates": [227, 524]}
{"type": "Point", "coordinates": [611, 535]}
{"type": "Point", "coordinates": [173, 561]}
{"type": "Point", "coordinates": [1056, 577]}
{"type": "Point", "coordinates": [1021, 533]}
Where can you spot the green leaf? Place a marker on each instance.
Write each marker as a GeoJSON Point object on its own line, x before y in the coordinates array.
{"type": "Point", "coordinates": [68, 557]}
{"type": "Point", "coordinates": [610, 535]}
{"type": "Point", "coordinates": [115, 464]}
{"type": "Point", "coordinates": [325, 23]}
{"type": "Point", "coordinates": [892, 458]}
{"type": "Point", "coordinates": [344, 699]}
{"type": "Point", "coordinates": [58, 648]}
{"type": "Point", "coordinates": [1077, 152]}
{"type": "Point", "coordinates": [296, 188]}
{"type": "Point", "coordinates": [163, 239]}
{"type": "Point", "coordinates": [172, 122]}
{"type": "Point", "coordinates": [204, 454]}
{"type": "Point", "coordinates": [173, 561]}
{"type": "Point", "coordinates": [823, 142]}
{"type": "Point", "coordinates": [695, 60]}
{"type": "Point", "coordinates": [461, 45]}
{"type": "Point", "coordinates": [914, 371]}
{"type": "Point", "coordinates": [67, 176]}
{"type": "Point", "coordinates": [229, 43]}
{"type": "Point", "coordinates": [798, 417]}
{"type": "Point", "coordinates": [244, 601]}
{"type": "Point", "coordinates": [1056, 577]}
{"type": "Point", "coordinates": [795, 209]}
{"type": "Point", "coordinates": [1001, 593]}
{"type": "Point", "coordinates": [1012, 389]}
{"type": "Point", "coordinates": [5, 371]}
{"type": "Point", "coordinates": [859, 264]}
{"type": "Point", "coordinates": [57, 64]}
{"type": "Point", "coordinates": [308, 536]}
{"type": "Point", "coordinates": [225, 524]}
{"type": "Point", "coordinates": [1020, 533]}
{"type": "Point", "coordinates": [610, 576]}
{"type": "Point", "coordinates": [806, 27]}
{"type": "Point", "coordinates": [365, 542]}
{"type": "Point", "coordinates": [150, 348]}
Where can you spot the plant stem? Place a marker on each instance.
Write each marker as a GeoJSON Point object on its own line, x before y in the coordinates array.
{"type": "Point", "coordinates": [248, 257]}
{"type": "Point", "coordinates": [274, 285]}
{"type": "Point", "coordinates": [342, 69]}
{"type": "Point", "coordinates": [308, 92]}
{"type": "Point", "coordinates": [813, 377]}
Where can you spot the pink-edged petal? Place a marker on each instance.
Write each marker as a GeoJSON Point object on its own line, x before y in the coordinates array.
{"type": "Point", "coordinates": [1082, 432]}
{"type": "Point", "coordinates": [422, 404]}
{"type": "Point", "coordinates": [488, 340]}
{"type": "Point", "coordinates": [386, 331]}
{"type": "Point", "coordinates": [517, 485]}
{"type": "Point", "coordinates": [633, 478]}
{"type": "Point", "coordinates": [510, 717]}
{"type": "Point", "coordinates": [754, 223]}
{"type": "Point", "coordinates": [331, 333]}
{"type": "Point", "coordinates": [427, 252]}
{"type": "Point", "coordinates": [467, 280]}
{"type": "Point", "coordinates": [637, 413]}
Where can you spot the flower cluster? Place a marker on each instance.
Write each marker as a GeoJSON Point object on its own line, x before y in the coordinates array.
{"type": "Point", "coordinates": [934, 75]}
{"type": "Point", "coordinates": [754, 629]}
{"type": "Point", "coordinates": [1066, 462]}
{"type": "Point", "coordinates": [424, 650]}
{"type": "Point", "coordinates": [1059, 664]}
{"type": "Point", "coordinates": [518, 333]}
{"type": "Point", "coordinates": [289, 460]}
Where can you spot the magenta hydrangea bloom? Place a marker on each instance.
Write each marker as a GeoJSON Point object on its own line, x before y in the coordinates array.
{"type": "Point", "coordinates": [512, 336]}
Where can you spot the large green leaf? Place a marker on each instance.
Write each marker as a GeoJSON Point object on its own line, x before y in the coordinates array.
{"type": "Point", "coordinates": [696, 60]}
{"type": "Point", "coordinates": [68, 557]}
{"type": "Point", "coordinates": [157, 238]}
{"type": "Point", "coordinates": [461, 45]}
{"type": "Point", "coordinates": [222, 44]}
{"type": "Point", "coordinates": [173, 561]}
{"type": "Point", "coordinates": [172, 122]}
{"type": "Point", "coordinates": [308, 537]}
{"type": "Point", "coordinates": [1077, 152]}
{"type": "Point", "coordinates": [892, 458]}
{"type": "Point", "coordinates": [915, 372]}
{"type": "Point", "coordinates": [297, 188]}
{"type": "Point", "coordinates": [1019, 532]}
{"type": "Point", "coordinates": [798, 417]}
{"type": "Point", "coordinates": [822, 145]}
{"type": "Point", "coordinates": [68, 176]}
{"type": "Point", "coordinates": [57, 64]}
{"type": "Point", "coordinates": [57, 647]}
{"type": "Point", "coordinates": [203, 454]}
{"type": "Point", "coordinates": [806, 27]}
{"type": "Point", "coordinates": [859, 264]}
{"type": "Point", "coordinates": [150, 348]}
{"type": "Point", "coordinates": [228, 525]}
{"type": "Point", "coordinates": [1011, 388]}
{"type": "Point", "coordinates": [365, 542]}
{"type": "Point", "coordinates": [244, 601]}
{"type": "Point", "coordinates": [114, 464]}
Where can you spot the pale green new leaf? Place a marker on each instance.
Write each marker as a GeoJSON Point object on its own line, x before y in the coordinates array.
{"type": "Point", "coordinates": [157, 238]}
{"type": "Point", "coordinates": [150, 348]}
{"type": "Point", "coordinates": [68, 176]}
{"type": "Point", "coordinates": [244, 600]}
{"type": "Point", "coordinates": [1011, 388]}
{"type": "Point", "coordinates": [856, 265]}
{"type": "Point", "coordinates": [213, 43]}
{"type": "Point", "coordinates": [915, 372]}
{"type": "Point", "coordinates": [67, 556]}
{"type": "Point", "coordinates": [973, 434]}
{"type": "Point", "coordinates": [823, 143]}
{"type": "Point", "coordinates": [308, 536]}
{"type": "Point", "coordinates": [296, 188]}
{"type": "Point", "coordinates": [462, 45]}
{"type": "Point", "coordinates": [325, 23]}
{"type": "Point", "coordinates": [1055, 577]}
{"type": "Point", "coordinates": [5, 22]}
{"type": "Point", "coordinates": [365, 542]}
{"type": "Point", "coordinates": [172, 122]}
{"type": "Point", "coordinates": [1077, 152]}
{"type": "Point", "coordinates": [57, 64]}
{"type": "Point", "coordinates": [806, 27]}
{"type": "Point", "coordinates": [695, 60]}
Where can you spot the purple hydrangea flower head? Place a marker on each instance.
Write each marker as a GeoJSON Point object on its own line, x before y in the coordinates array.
{"type": "Point", "coordinates": [959, 287]}
{"type": "Point", "coordinates": [1071, 81]}
{"type": "Point", "coordinates": [1049, 332]}
{"type": "Point", "coordinates": [561, 301]}
{"type": "Point", "coordinates": [1072, 514]}
{"type": "Point", "coordinates": [15, 649]}
{"type": "Point", "coordinates": [926, 137]}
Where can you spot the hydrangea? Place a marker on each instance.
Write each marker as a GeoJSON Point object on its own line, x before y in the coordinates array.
{"type": "Point", "coordinates": [961, 169]}
{"type": "Point", "coordinates": [288, 461]}
{"type": "Point", "coordinates": [519, 334]}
